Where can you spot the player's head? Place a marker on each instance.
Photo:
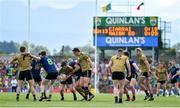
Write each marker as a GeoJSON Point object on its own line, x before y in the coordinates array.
{"type": "Point", "coordinates": [120, 51]}
{"type": "Point", "coordinates": [161, 64]}
{"type": "Point", "coordinates": [76, 51]}
{"type": "Point", "coordinates": [173, 62]}
{"type": "Point", "coordinates": [42, 53]}
{"type": "Point", "coordinates": [22, 49]}
{"type": "Point", "coordinates": [138, 51]}
{"type": "Point", "coordinates": [126, 53]}
{"type": "Point", "coordinates": [64, 64]}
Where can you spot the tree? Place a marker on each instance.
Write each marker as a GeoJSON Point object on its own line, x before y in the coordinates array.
{"type": "Point", "coordinates": [8, 47]}
{"type": "Point", "coordinates": [176, 46]}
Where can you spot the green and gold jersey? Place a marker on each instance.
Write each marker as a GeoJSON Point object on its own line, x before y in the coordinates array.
{"type": "Point", "coordinates": [24, 61]}
{"type": "Point", "coordinates": [141, 60]}
{"type": "Point", "coordinates": [65, 70]}
{"type": "Point", "coordinates": [161, 73]}
{"type": "Point", "coordinates": [118, 63]}
{"type": "Point", "coordinates": [83, 60]}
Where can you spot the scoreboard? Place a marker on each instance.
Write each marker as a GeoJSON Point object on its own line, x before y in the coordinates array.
{"type": "Point", "coordinates": [126, 28]}
{"type": "Point", "coordinates": [127, 31]}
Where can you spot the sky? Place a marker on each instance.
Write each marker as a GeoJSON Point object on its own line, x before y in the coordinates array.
{"type": "Point", "coordinates": [54, 23]}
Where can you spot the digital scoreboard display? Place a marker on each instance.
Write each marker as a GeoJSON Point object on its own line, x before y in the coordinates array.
{"type": "Point", "coordinates": [125, 31]}
{"type": "Point", "coordinates": [126, 26]}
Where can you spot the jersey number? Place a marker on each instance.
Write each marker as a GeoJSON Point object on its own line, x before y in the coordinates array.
{"type": "Point", "coordinates": [50, 62]}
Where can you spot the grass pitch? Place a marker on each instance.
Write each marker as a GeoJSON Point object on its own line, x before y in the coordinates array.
{"type": "Point", "coordinates": [101, 100]}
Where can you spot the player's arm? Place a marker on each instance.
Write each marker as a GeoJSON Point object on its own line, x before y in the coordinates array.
{"type": "Point", "coordinates": [136, 67]}
{"type": "Point", "coordinates": [13, 60]}
{"type": "Point", "coordinates": [90, 61]}
{"type": "Point", "coordinates": [129, 68]}
{"type": "Point", "coordinates": [59, 72]}
{"type": "Point", "coordinates": [35, 57]}
{"type": "Point", "coordinates": [109, 65]}
{"type": "Point", "coordinates": [155, 74]}
{"type": "Point", "coordinates": [77, 67]}
{"type": "Point", "coordinates": [167, 75]}
{"type": "Point", "coordinates": [147, 66]}
{"type": "Point", "coordinates": [177, 73]}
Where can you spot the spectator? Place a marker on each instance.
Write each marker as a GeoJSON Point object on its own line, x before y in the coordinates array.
{"type": "Point", "coordinates": [14, 84]}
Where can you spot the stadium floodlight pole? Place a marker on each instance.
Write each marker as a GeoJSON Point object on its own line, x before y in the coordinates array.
{"type": "Point", "coordinates": [96, 70]}
{"type": "Point", "coordinates": [29, 24]}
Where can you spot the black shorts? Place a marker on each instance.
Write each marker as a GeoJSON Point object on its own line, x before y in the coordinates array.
{"type": "Point", "coordinates": [37, 79]}
{"type": "Point", "coordinates": [173, 81]}
{"type": "Point", "coordinates": [77, 76]}
{"type": "Point", "coordinates": [25, 75]}
{"type": "Point", "coordinates": [132, 76]}
{"type": "Point", "coordinates": [162, 82]}
{"type": "Point", "coordinates": [86, 73]}
{"type": "Point", "coordinates": [52, 76]}
{"type": "Point", "coordinates": [145, 74]}
{"type": "Point", "coordinates": [118, 75]}
{"type": "Point", "coordinates": [68, 81]}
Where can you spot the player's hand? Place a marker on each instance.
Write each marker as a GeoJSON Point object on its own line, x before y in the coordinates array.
{"type": "Point", "coordinates": [157, 78]}
{"type": "Point", "coordinates": [148, 74]}
{"type": "Point", "coordinates": [129, 74]}
{"type": "Point", "coordinates": [67, 76]}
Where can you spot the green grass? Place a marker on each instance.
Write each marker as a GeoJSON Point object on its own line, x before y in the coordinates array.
{"type": "Point", "coordinates": [101, 100]}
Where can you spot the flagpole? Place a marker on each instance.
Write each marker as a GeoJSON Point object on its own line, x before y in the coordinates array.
{"type": "Point", "coordinates": [29, 22]}
{"type": "Point", "coordinates": [96, 70]}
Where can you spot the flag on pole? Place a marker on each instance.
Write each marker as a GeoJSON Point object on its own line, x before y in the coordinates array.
{"type": "Point", "coordinates": [106, 8]}
{"type": "Point", "coordinates": [139, 6]}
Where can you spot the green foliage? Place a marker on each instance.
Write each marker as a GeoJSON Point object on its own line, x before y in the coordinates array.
{"type": "Point", "coordinates": [12, 47]}
{"type": "Point", "coordinates": [8, 47]}
{"type": "Point", "coordinates": [176, 46]}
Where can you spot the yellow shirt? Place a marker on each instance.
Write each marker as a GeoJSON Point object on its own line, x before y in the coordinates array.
{"type": "Point", "coordinates": [161, 74]}
{"type": "Point", "coordinates": [65, 70]}
{"type": "Point", "coordinates": [83, 60]}
{"type": "Point", "coordinates": [24, 62]}
{"type": "Point", "coordinates": [141, 59]}
{"type": "Point", "coordinates": [118, 63]}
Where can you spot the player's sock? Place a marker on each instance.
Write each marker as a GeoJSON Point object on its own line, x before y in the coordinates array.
{"type": "Point", "coordinates": [62, 95]}
{"type": "Point", "coordinates": [116, 99]}
{"type": "Point", "coordinates": [74, 96]}
{"type": "Point", "coordinates": [128, 98]}
{"type": "Point", "coordinates": [90, 93]}
{"type": "Point", "coordinates": [34, 96]}
{"type": "Point", "coordinates": [151, 95]}
{"type": "Point", "coordinates": [133, 98]}
{"type": "Point", "coordinates": [81, 92]}
{"type": "Point", "coordinates": [45, 94]}
{"type": "Point", "coordinates": [17, 97]}
{"type": "Point", "coordinates": [164, 92]}
{"type": "Point", "coordinates": [49, 98]}
{"type": "Point", "coordinates": [42, 96]}
{"type": "Point", "coordinates": [27, 96]}
{"type": "Point", "coordinates": [146, 92]}
{"type": "Point", "coordinates": [120, 100]}
{"type": "Point", "coordinates": [86, 91]}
